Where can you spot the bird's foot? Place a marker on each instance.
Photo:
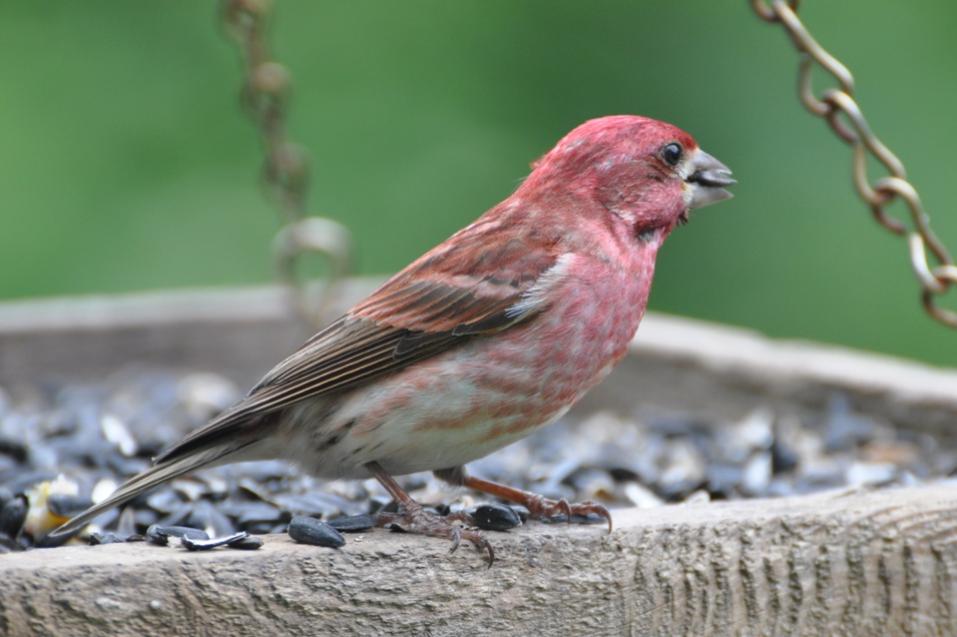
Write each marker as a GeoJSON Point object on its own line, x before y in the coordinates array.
{"type": "Point", "coordinates": [413, 518]}
{"type": "Point", "coordinates": [548, 510]}
{"type": "Point", "coordinates": [539, 507]}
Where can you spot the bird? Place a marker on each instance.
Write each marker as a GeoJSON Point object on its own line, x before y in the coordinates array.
{"type": "Point", "coordinates": [490, 335]}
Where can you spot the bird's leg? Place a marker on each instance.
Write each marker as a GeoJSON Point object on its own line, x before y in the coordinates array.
{"type": "Point", "coordinates": [411, 517]}
{"type": "Point", "coordinates": [539, 507]}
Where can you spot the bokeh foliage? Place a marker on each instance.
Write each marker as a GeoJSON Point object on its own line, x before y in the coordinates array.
{"type": "Point", "coordinates": [126, 165]}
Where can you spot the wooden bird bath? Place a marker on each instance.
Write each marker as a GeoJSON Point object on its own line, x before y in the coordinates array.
{"type": "Point", "coordinates": [864, 562]}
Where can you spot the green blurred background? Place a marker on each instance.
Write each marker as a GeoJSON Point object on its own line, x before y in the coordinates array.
{"type": "Point", "coordinates": [126, 164]}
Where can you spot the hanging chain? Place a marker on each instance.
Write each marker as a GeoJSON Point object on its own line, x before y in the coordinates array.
{"type": "Point", "coordinates": [265, 98]}
{"type": "Point", "coordinates": [842, 112]}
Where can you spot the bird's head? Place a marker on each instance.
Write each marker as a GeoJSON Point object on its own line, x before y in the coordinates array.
{"type": "Point", "coordinates": [649, 173]}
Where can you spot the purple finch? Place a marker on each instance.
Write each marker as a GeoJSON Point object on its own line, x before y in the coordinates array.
{"type": "Point", "coordinates": [495, 332]}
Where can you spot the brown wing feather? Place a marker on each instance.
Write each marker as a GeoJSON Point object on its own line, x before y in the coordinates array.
{"type": "Point", "coordinates": [439, 301]}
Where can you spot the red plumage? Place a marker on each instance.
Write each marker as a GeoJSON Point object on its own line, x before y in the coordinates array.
{"type": "Point", "coordinates": [496, 331]}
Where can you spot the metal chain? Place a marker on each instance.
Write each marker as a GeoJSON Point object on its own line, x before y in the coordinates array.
{"type": "Point", "coordinates": [842, 112]}
{"type": "Point", "coordinates": [265, 98]}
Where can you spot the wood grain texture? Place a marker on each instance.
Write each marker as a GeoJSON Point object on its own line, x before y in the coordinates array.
{"type": "Point", "coordinates": [861, 563]}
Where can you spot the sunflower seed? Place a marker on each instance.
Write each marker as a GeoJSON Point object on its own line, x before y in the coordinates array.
{"type": "Point", "coordinates": [13, 515]}
{"type": "Point", "coordinates": [105, 538]}
{"type": "Point", "coordinates": [207, 544]}
{"type": "Point", "coordinates": [249, 543]}
{"type": "Point", "coordinates": [352, 523]}
{"type": "Point", "coordinates": [308, 530]}
{"type": "Point", "coordinates": [160, 535]}
{"type": "Point", "coordinates": [495, 517]}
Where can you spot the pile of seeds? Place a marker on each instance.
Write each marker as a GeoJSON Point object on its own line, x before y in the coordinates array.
{"type": "Point", "coordinates": [65, 447]}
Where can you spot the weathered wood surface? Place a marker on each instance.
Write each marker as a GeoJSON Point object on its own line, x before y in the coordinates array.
{"type": "Point", "coordinates": [678, 364]}
{"type": "Point", "coordinates": [873, 563]}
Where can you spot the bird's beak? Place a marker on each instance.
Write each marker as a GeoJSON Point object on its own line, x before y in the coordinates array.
{"type": "Point", "coordinates": [707, 180]}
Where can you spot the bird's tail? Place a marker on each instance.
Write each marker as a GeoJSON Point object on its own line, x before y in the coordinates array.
{"type": "Point", "coordinates": [142, 482]}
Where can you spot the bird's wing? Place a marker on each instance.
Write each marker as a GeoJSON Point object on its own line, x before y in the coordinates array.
{"type": "Point", "coordinates": [481, 281]}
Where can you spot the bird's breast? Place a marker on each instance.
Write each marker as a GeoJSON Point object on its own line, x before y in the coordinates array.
{"type": "Point", "coordinates": [495, 389]}
{"type": "Point", "coordinates": [591, 317]}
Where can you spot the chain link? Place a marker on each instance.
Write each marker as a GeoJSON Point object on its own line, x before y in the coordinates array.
{"type": "Point", "coordinates": [839, 108]}
{"type": "Point", "coordinates": [265, 98]}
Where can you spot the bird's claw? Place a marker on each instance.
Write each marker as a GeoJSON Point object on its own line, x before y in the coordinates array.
{"type": "Point", "coordinates": [545, 509]}
{"type": "Point", "coordinates": [415, 519]}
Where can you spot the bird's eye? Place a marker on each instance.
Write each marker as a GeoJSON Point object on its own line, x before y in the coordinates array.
{"type": "Point", "coordinates": [671, 153]}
